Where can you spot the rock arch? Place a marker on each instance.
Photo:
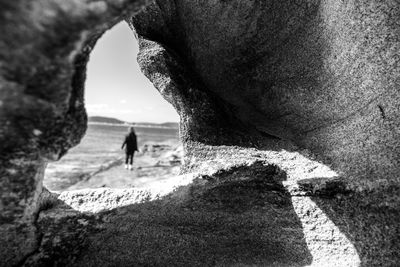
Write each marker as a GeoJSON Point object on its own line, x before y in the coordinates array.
{"type": "Point", "coordinates": [321, 74]}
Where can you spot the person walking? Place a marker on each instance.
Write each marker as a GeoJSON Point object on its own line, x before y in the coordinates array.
{"type": "Point", "coordinates": [130, 144]}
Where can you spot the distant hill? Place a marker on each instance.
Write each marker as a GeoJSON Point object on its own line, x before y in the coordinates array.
{"type": "Point", "coordinates": [170, 124]}
{"type": "Point", "coordinates": [174, 125]}
{"type": "Point", "coordinates": [150, 124]}
{"type": "Point", "coordinates": [100, 119]}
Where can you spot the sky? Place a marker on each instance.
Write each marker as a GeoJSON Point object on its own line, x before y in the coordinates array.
{"type": "Point", "coordinates": [115, 86]}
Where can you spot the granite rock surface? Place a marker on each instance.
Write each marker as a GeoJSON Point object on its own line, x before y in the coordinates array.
{"type": "Point", "coordinates": [251, 75]}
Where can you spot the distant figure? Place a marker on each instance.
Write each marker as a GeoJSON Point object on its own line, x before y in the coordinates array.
{"type": "Point", "coordinates": [130, 145]}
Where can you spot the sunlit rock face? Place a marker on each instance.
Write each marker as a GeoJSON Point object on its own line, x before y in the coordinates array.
{"type": "Point", "coordinates": [321, 74]}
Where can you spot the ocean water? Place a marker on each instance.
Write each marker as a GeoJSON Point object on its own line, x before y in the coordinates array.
{"type": "Point", "coordinates": [101, 146]}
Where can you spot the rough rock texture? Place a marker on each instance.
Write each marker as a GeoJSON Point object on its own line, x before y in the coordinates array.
{"type": "Point", "coordinates": [44, 47]}
{"type": "Point", "coordinates": [323, 75]}
{"type": "Point", "coordinates": [241, 210]}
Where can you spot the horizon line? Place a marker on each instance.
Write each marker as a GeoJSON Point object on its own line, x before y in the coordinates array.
{"type": "Point", "coordinates": [122, 120]}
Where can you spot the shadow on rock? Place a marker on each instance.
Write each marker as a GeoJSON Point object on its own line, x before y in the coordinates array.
{"type": "Point", "coordinates": [241, 216]}
{"type": "Point", "coordinates": [370, 220]}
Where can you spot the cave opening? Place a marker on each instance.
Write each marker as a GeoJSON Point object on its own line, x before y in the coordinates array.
{"type": "Point", "coordinates": [118, 96]}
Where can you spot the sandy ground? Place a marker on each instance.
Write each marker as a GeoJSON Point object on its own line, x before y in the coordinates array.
{"type": "Point", "coordinates": [150, 166]}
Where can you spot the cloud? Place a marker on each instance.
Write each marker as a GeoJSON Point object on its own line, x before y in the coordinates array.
{"type": "Point", "coordinates": [122, 101]}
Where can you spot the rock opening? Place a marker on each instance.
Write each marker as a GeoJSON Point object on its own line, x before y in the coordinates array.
{"type": "Point", "coordinates": [117, 96]}
{"type": "Point", "coordinates": [314, 74]}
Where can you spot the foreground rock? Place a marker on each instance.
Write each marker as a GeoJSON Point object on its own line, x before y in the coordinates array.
{"type": "Point", "coordinates": [244, 213]}
{"type": "Point", "coordinates": [320, 74]}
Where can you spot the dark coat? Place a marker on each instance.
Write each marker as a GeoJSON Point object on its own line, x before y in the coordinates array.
{"type": "Point", "coordinates": [130, 143]}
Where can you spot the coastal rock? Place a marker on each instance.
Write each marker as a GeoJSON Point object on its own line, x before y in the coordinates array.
{"type": "Point", "coordinates": [321, 74]}
{"type": "Point", "coordinates": [45, 46]}
{"type": "Point", "coordinates": [246, 77]}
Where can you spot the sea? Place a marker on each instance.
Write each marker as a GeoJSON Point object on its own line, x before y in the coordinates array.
{"type": "Point", "coordinates": [101, 146]}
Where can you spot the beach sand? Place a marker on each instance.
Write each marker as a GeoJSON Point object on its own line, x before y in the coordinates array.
{"type": "Point", "coordinates": [147, 168]}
